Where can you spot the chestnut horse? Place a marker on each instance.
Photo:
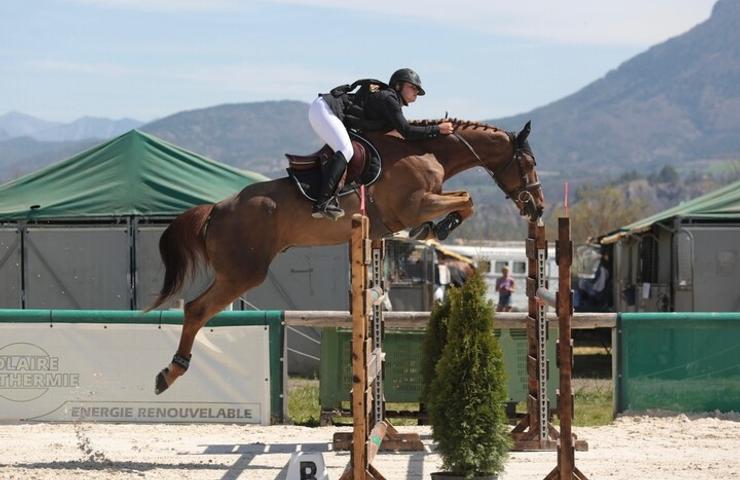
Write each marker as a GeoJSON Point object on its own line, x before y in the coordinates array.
{"type": "Point", "coordinates": [240, 236]}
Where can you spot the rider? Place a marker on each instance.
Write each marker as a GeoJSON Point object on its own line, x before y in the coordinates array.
{"type": "Point", "coordinates": [332, 113]}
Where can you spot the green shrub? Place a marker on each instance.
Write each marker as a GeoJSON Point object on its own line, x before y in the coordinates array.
{"type": "Point", "coordinates": [468, 394]}
{"type": "Point", "coordinates": [434, 342]}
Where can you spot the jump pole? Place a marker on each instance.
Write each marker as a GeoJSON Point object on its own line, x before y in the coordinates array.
{"type": "Point", "coordinates": [370, 430]}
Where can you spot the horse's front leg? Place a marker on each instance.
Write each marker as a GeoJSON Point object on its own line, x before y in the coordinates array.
{"type": "Point", "coordinates": [454, 206]}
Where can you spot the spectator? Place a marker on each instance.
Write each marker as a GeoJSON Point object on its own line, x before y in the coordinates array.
{"type": "Point", "coordinates": [505, 287]}
{"type": "Point", "coordinates": [592, 294]}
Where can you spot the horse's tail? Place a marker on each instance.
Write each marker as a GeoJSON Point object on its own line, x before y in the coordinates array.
{"type": "Point", "coordinates": [181, 245]}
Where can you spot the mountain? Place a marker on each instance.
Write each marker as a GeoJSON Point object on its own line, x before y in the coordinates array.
{"type": "Point", "coordinates": [676, 104]}
{"type": "Point", "coordinates": [22, 155]}
{"type": "Point", "coordinates": [87, 127]}
{"type": "Point", "coordinates": [251, 136]}
{"type": "Point", "coordinates": [28, 143]}
{"type": "Point", "coordinates": [16, 124]}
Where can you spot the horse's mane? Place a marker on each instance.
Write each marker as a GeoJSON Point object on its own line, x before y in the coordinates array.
{"type": "Point", "coordinates": [456, 123]}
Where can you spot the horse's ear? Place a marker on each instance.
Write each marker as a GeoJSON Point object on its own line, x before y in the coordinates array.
{"type": "Point", "coordinates": [521, 137]}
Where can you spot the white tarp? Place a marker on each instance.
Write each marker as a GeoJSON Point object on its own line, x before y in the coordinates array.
{"type": "Point", "coordinates": [105, 372]}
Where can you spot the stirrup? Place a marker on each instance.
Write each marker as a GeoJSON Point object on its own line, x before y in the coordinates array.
{"type": "Point", "coordinates": [329, 209]}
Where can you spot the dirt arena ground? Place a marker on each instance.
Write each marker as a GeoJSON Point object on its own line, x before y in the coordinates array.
{"type": "Point", "coordinates": [655, 447]}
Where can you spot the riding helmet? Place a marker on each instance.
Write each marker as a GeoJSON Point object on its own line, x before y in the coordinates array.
{"type": "Point", "coordinates": [406, 75]}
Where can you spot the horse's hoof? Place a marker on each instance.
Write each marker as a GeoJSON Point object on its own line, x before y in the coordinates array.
{"type": "Point", "coordinates": [449, 223]}
{"type": "Point", "coordinates": [161, 383]}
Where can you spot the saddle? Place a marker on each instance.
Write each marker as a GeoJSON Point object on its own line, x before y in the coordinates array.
{"type": "Point", "coordinates": [364, 168]}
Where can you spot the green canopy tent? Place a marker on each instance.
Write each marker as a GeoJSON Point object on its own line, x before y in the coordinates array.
{"type": "Point", "coordinates": [135, 174]}
{"type": "Point", "coordinates": [686, 258]}
{"type": "Point", "coordinates": [83, 233]}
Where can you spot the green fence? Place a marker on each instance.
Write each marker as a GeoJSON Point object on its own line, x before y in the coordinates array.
{"type": "Point", "coordinates": [686, 362]}
{"type": "Point", "coordinates": [402, 383]}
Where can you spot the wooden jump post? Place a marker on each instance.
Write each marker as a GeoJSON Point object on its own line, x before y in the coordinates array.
{"type": "Point", "coordinates": [535, 432]}
{"type": "Point", "coordinates": [371, 430]}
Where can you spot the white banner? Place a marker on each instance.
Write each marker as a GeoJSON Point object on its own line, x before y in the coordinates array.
{"type": "Point", "coordinates": [106, 372]}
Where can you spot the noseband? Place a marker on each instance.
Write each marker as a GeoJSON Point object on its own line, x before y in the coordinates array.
{"type": "Point", "coordinates": [523, 192]}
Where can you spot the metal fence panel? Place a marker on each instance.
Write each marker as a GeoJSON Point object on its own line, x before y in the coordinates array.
{"type": "Point", "coordinates": [10, 268]}
{"type": "Point", "coordinates": [716, 268]}
{"type": "Point", "coordinates": [304, 278]}
{"type": "Point", "coordinates": [686, 362]}
{"type": "Point", "coordinates": [77, 267]}
{"type": "Point", "coordinates": [402, 366]}
{"type": "Point", "coordinates": [150, 271]}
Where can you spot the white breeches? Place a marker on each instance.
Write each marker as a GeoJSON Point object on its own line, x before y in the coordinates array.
{"type": "Point", "coordinates": [330, 128]}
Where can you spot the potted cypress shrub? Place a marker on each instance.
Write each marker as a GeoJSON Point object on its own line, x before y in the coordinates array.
{"type": "Point", "coordinates": [468, 394]}
{"type": "Point", "coordinates": [433, 344]}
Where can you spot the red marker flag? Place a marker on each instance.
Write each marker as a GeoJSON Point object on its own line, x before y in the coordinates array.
{"type": "Point", "coordinates": [362, 199]}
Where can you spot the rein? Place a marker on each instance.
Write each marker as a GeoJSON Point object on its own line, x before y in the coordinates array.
{"type": "Point", "coordinates": [522, 193]}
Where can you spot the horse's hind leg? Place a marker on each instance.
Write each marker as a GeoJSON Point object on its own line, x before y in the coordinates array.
{"type": "Point", "coordinates": [218, 296]}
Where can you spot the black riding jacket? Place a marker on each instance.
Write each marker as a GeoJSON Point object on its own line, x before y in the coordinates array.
{"type": "Point", "coordinates": [382, 112]}
{"type": "Point", "coordinates": [384, 108]}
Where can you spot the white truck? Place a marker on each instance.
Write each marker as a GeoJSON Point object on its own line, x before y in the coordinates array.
{"type": "Point", "coordinates": [492, 257]}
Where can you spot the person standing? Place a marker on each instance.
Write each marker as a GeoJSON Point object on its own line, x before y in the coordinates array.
{"type": "Point", "coordinates": [505, 287]}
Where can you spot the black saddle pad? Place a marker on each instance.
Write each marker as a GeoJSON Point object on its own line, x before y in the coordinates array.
{"type": "Point", "coordinates": [309, 181]}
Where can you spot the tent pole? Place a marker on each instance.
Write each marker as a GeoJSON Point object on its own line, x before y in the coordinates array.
{"type": "Point", "coordinates": [22, 233]}
{"type": "Point", "coordinates": [133, 225]}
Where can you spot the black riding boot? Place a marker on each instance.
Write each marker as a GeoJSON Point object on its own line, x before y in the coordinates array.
{"type": "Point", "coordinates": [327, 206]}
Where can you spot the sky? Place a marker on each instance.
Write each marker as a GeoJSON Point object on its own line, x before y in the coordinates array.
{"type": "Point", "coordinates": [146, 59]}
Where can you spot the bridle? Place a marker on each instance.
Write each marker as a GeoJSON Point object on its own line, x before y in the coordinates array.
{"type": "Point", "coordinates": [521, 193]}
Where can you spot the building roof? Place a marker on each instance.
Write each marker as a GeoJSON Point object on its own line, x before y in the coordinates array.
{"type": "Point", "coordinates": [722, 204]}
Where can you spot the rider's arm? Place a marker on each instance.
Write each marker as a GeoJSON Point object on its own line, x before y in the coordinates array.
{"type": "Point", "coordinates": [395, 117]}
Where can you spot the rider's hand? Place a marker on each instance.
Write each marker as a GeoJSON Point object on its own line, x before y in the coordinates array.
{"type": "Point", "coordinates": [445, 128]}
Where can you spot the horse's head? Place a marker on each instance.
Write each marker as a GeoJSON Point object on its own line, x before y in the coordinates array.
{"type": "Point", "coordinates": [512, 165]}
{"type": "Point", "coordinates": [518, 177]}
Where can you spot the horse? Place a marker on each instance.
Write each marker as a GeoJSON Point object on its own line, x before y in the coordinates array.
{"type": "Point", "coordinates": [239, 236]}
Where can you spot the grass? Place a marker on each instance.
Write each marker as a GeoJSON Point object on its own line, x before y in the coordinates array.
{"type": "Point", "coordinates": [303, 402]}
{"type": "Point", "coordinates": [593, 403]}
{"type": "Point", "coordinates": [592, 386]}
